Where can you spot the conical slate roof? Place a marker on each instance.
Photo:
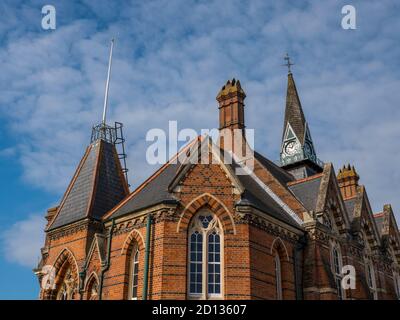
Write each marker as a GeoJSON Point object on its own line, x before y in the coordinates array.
{"type": "Point", "coordinates": [97, 186]}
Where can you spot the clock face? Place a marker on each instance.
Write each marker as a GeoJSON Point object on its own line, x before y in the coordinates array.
{"type": "Point", "coordinates": [291, 148]}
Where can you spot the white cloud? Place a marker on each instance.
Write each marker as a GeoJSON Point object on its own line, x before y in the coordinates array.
{"type": "Point", "coordinates": [169, 64]}
{"type": "Point", "coordinates": [21, 243]}
{"type": "Point", "coordinates": [8, 152]}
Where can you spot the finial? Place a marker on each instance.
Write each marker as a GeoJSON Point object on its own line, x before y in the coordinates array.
{"type": "Point", "coordinates": [107, 83]}
{"type": "Point", "coordinates": [288, 63]}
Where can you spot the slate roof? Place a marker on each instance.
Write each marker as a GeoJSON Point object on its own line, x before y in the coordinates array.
{"type": "Point", "coordinates": [280, 174]}
{"type": "Point", "coordinates": [155, 191]}
{"type": "Point", "coordinates": [254, 195]}
{"type": "Point", "coordinates": [294, 111]}
{"type": "Point", "coordinates": [97, 186]}
{"type": "Point", "coordinates": [307, 192]}
{"type": "Point", "coordinates": [152, 193]}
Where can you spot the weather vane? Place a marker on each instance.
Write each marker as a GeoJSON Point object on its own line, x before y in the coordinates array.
{"type": "Point", "coordinates": [288, 63]}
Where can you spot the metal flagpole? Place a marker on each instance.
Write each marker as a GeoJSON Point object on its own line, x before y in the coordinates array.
{"type": "Point", "coordinates": [107, 83]}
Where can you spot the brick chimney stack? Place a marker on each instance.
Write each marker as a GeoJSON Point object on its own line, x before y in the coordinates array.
{"type": "Point", "coordinates": [348, 181]}
{"type": "Point", "coordinates": [231, 117]}
{"type": "Point", "coordinates": [231, 106]}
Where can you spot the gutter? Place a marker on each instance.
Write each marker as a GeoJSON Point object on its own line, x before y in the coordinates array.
{"type": "Point", "coordinates": [107, 265]}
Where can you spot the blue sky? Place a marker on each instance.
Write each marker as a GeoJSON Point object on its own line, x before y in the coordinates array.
{"type": "Point", "coordinates": [170, 60]}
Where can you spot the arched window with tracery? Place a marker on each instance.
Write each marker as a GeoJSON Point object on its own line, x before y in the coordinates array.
{"type": "Point", "coordinates": [205, 256]}
{"type": "Point", "coordinates": [67, 286]}
{"type": "Point", "coordinates": [336, 265]}
{"type": "Point", "coordinates": [278, 276]}
{"type": "Point", "coordinates": [134, 273]}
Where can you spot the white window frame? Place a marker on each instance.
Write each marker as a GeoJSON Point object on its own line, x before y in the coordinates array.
{"type": "Point", "coordinates": [134, 272]}
{"type": "Point", "coordinates": [214, 225]}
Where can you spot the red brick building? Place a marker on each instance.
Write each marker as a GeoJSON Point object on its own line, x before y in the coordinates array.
{"type": "Point", "coordinates": [202, 231]}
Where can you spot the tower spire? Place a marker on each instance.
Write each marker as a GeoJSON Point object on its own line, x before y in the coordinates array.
{"type": "Point", "coordinates": [107, 84]}
{"type": "Point", "coordinates": [294, 114]}
{"type": "Point", "coordinates": [297, 150]}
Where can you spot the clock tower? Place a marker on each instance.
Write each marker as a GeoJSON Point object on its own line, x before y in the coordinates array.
{"type": "Point", "coordinates": [297, 154]}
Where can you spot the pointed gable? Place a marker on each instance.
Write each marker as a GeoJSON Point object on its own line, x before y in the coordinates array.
{"type": "Point", "coordinates": [363, 219]}
{"type": "Point", "coordinates": [387, 227]}
{"type": "Point", "coordinates": [97, 186]}
{"type": "Point", "coordinates": [264, 189]}
{"type": "Point", "coordinates": [330, 200]}
{"type": "Point", "coordinates": [97, 250]}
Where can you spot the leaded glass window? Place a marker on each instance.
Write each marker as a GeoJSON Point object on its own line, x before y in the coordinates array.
{"type": "Point", "coordinates": [67, 286]}
{"type": "Point", "coordinates": [205, 243]}
{"type": "Point", "coordinates": [134, 273]}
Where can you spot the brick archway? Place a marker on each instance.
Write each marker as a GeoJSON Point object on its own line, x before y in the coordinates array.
{"type": "Point", "coordinates": [279, 246]}
{"type": "Point", "coordinates": [63, 262]}
{"type": "Point", "coordinates": [215, 205]}
{"type": "Point", "coordinates": [133, 237]}
{"type": "Point", "coordinates": [93, 280]}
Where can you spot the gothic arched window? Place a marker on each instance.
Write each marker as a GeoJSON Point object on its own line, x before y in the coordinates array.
{"type": "Point", "coordinates": [93, 289]}
{"type": "Point", "coordinates": [67, 286]}
{"type": "Point", "coordinates": [134, 273]}
{"type": "Point", "coordinates": [205, 243]}
{"type": "Point", "coordinates": [278, 276]}
{"type": "Point", "coordinates": [337, 264]}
